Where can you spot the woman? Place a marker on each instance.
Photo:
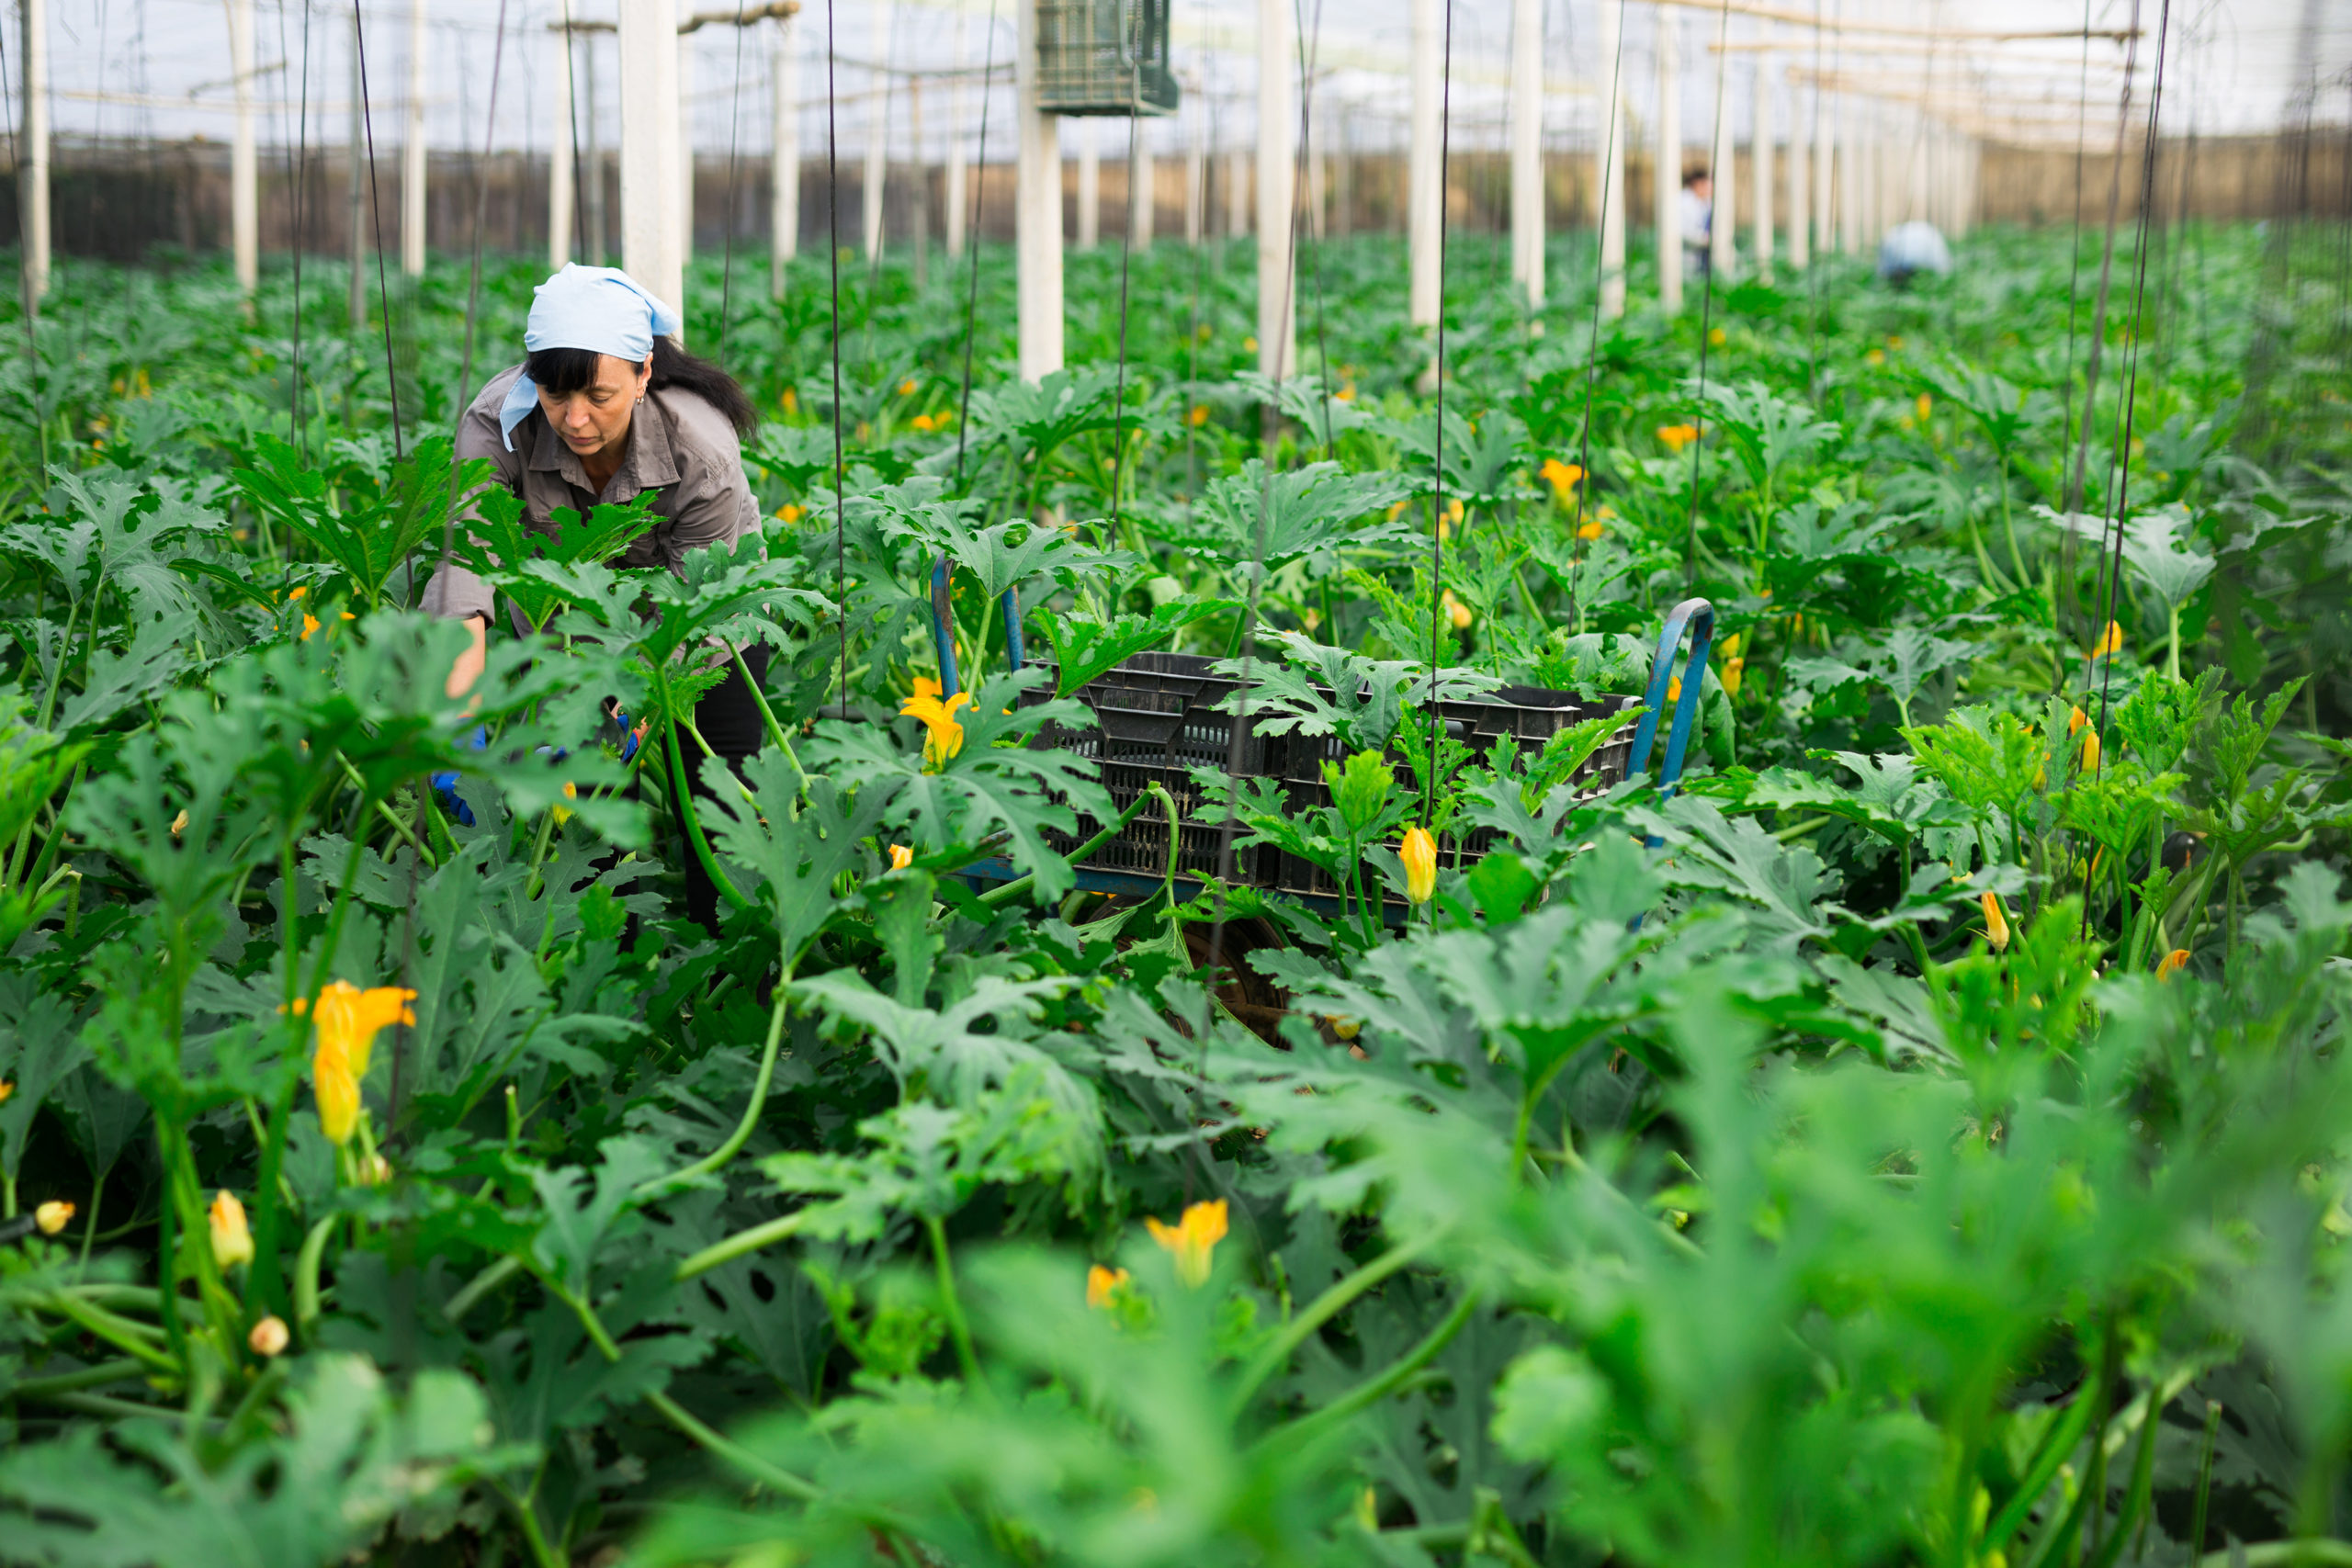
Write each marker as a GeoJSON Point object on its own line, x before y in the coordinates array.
{"type": "Point", "coordinates": [604, 407]}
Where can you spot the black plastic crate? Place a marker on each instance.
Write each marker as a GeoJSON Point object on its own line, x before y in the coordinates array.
{"type": "Point", "coordinates": [1157, 719]}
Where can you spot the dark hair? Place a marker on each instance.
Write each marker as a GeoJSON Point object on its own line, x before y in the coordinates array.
{"type": "Point", "coordinates": [561, 371]}
{"type": "Point", "coordinates": [1691, 175]}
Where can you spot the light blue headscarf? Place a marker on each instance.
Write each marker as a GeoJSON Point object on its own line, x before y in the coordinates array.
{"type": "Point", "coordinates": [601, 308]}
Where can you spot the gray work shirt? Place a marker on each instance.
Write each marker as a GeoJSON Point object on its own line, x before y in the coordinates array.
{"type": "Point", "coordinates": [680, 445]}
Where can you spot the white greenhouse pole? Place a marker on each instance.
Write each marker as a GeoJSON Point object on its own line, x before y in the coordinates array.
{"type": "Point", "coordinates": [244, 172]}
{"type": "Point", "coordinates": [1850, 178]}
{"type": "Point", "coordinates": [877, 133]}
{"type": "Point", "coordinates": [682, 141]}
{"type": "Point", "coordinates": [1667, 177]}
{"type": "Point", "coordinates": [1527, 148]}
{"type": "Point", "coordinates": [1037, 209]}
{"type": "Point", "coordinates": [1277, 175]}
{"type": "Point", "coordinates": [952, 175]}
{"type": "Point", "coordinates": [784, 154]}
{"type": "Point", "coordinates": [1801, 112]}
{"type": "Point", "coordinates": [1760, 161]}
{"type": "Point", "coordinates": [651, 248]}
{"type": "Point", "coordinates": [1236, 195]}
{"type": "Point", "coordinates": [1196, 183]}
{"type": "Point", "coordinates": [1089, 185]}
{"type": "Point", "coordinates": [1425, 172]}
{"type": "Point", "coordinates": [1143, 191]}
{"type": "Point", "coordinates": [560, 169]}
{"type": "Point", "coordinates": [35, 121]}
{"type": "Point", "coordinates": [1826, 209]}
{"type": "Point", "coordinates": [1609, 178]}
{"type": "Point", "coordinates": [412, 148]}
{"type": "Point", "coordinates": [1723, 172]}
{"type": "Point", "coordinates": [355, 214]}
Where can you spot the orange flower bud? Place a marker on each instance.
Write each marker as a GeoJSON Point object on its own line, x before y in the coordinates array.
{"type": "Point", "coordinates": [1996, 924]}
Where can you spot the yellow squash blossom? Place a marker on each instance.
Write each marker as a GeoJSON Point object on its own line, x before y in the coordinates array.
{"type": "Point", "coordinates": [53, 1216]}
{"type": "Point", "coordinates": [2090, 750]}
{"type": "Point", "coordinates": [901, 857]}
{"type": "Point", "coordinates": [1199, 416]}
{"type": "Point", "coordinates": [923, 422]}
{"type": "Point", "coordinates": [270, 1337]}
{"type": "Point", "coordinates": [1996, 924]}
{"type": "Point", "coordinates": [1419, 852]}
{"type": "Point", "coordinates": [1678, 436]}
{"type": "Point", "coordinates": [789, 513]}
{"type": "Point", "coordinates": [1458, 613]}
{"type": "Point", "coordinates": [943, 735]}
{"type": "Point", "coordinates": [2110, 643]}
{"type": "Point", "coordinates": [349, 1018]}
{"type": "Point", "coordinates": [907, 388]}
{"type": "Point", "coordinates": [1592, 530]}
{"type": "Point", "coordinates": [1563, 477]}
{"type": "Point", "coordinates": [1102, 1283]}
{"type": "Point", "coordinates": [2172, 963]}
{"type": "Point", "coordinates": [2075, 720]}
{"type": "Point", "coordinates": [1926, 405]}
{"type": "Point", "coordinates": [337, 1088]}
{"type": "Point", "coordinates": [1191, 1239]}
{"type": "Point", "coordinates": [1716, 336]}
{"type": "Point", "coordinates": [6, 1088]}
{"type": "Point", "coordinates": [232, 1244]}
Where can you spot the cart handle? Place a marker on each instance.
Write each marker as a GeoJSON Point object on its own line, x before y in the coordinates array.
{"type": "Point", "coordinates": [1698, 616]}
{"type": "Point", "coordinates": [943, 639]}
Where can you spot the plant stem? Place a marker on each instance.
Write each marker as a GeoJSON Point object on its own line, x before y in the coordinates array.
{"type": "Point", "coordinates": [952, 1304]}
{"type": "Point", "coordinates": [995, 896]}
{"type": "Point", "coordinates": [1294, 1435]}
{"type": "Point", "coordinates": [736, 1140]}
{"type": "Point", "coordinates": [1324, 1308]}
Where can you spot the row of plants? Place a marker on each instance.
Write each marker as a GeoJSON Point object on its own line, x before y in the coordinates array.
{"type": "Point", "coordinates": [1916, 1136]}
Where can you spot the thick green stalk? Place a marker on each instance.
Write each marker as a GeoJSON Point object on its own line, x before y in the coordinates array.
{"type": "Point", "coordinates": [727, 1151]}
{"type": "Point", "coordinates": [694, 838]}
{"type": "Point", "coordinates": [1322, 1310]}
{"type": "Point", "coordinates": [995, 896]}
{"type": "Point", "coordinates": [951, 1305]}
{"type": "Point", "coordinates": [741, 1242]}
{"type": "Point", "coordinates": [1373, 1389]}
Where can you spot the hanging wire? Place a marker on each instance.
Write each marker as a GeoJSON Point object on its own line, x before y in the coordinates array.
{"type": "Point", "coordinates": [833, 260]}
{"type": "Point", "coordinates": [2106, 270]}
{"type": "Point", "coordinates": [301, 194]}
{"type": "Point", "coordinates": [473, 282]}
{"type": "Point", "coordinates": [376, 212]}
{"type": "Point", "coordinates": [2074, 300]}
{"type": "Point", "coordinates": [24, 273]}
{"type": "Point", "coordinates": [1437, 442]}
{"type": "Point", "coordinates": [734, 138]}
{"type": "Point", "coordinates": [1609, 164]}
{"type": "Point", "coordinates": [581, 175]}
{"type": "Point", "coordinates": [1706, 307]}
{"type": "Point", "coordinates": [2117, 498]}
{"type": "Point", "coordinates": [1309, 42]}
{"type": "Point", "coordinates": [1126, 249]}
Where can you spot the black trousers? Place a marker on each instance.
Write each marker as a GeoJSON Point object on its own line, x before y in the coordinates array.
{"type": "Point", "coordinates": [729, 719]}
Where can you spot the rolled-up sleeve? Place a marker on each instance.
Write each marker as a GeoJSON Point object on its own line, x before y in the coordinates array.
{"type": "Point", "coordinates": [456, 592]}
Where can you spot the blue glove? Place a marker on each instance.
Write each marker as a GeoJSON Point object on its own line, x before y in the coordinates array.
{"type": "Point", "coordinates": [445, 784]}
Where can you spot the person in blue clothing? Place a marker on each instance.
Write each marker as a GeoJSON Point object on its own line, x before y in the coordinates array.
{"type": "Point", "coordinates": [1696, 212]}
{"type": "Point", "coordinates": [1910, 249]}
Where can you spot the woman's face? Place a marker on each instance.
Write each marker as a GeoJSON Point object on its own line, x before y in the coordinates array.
{"type": "Point", "coordinates": [594, 419]}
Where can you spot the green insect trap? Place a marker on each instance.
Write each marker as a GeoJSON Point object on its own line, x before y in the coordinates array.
{"type": "Point", "coordinates": [1104, 57]}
